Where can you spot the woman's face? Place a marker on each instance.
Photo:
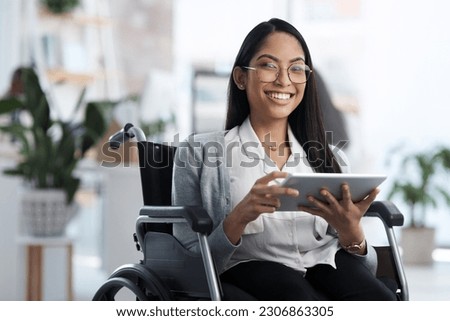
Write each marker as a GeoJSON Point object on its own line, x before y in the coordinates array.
{"type": "Point", "coordinates": [277, 99]}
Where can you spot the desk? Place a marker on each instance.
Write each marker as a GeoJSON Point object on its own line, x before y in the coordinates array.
{"type": "Point", "coordinates": [34, 251]}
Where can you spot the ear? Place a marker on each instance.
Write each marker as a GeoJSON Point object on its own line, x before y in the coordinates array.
{"type": "Point", "coordinates": [239, 77]}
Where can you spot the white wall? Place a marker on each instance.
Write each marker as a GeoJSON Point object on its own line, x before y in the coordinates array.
{"type": "Point", "coordinates": [405, 97]}
{"type": "Point", "coordinates": [11, 269]}
{"type": "Point", "coordinates": [10, 32]}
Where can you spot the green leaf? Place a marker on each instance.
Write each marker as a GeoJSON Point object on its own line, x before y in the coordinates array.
{"type": "Point", "coordinates": [9, 105]}
{"type": "Point", "coordinates": [20, 133]}
{"type": "Point", "coordinates": [445, 195]}
{"type": "Point", "coordinates": [14, 171]}
{"type": "Point", "coordinates": [43, 158]}
{"type": "Point", "coordinates": [95, 123]}
{"type": "Point", "coordinates": [443, 156]}
{"type": "Point", "coordinates": [35, 99]}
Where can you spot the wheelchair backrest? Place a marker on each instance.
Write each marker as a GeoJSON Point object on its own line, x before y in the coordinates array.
{"type": "Point", "coordinates": [156, 165]}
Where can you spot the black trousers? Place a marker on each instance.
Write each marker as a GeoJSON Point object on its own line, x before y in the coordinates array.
{"type": "Point", "coordinates": [272, 281]}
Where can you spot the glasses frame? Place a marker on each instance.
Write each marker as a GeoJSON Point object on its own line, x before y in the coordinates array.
{"type": "Point", "coordinates": [278, 74]}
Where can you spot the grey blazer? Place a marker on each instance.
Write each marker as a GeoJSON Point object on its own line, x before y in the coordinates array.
{"type": "Point", "coordinates": [201, 178]}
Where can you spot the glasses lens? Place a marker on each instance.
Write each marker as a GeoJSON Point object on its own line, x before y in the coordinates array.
{"type": "Point", "coordinates": [267, 73]}
{"type": "Point", "coordinates": [299, 73]}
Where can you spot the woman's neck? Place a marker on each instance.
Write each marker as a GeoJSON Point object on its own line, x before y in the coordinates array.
{"type": "Point", "coordinates": [274, 139]}
{"type": "Point", "coordinates": [271, 133]}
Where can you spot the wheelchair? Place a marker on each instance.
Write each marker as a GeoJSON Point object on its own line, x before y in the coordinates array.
{"type": "Point", "coordinates": [168, 271]}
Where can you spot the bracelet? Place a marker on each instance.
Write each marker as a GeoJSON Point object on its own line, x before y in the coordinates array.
{"type": "Point", "coordinates": [355, 248]}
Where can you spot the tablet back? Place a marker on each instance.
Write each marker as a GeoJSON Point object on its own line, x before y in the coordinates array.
{"type": "Point", "coordinates": [311, 184]}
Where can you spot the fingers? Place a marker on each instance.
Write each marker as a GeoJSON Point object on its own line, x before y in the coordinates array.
{"type": "Point", "coordinates": [266, 200]}
{"type": "Point", "coordinates": [370, 198]}
{"type": "Point", "coordinates": [329, 205]}
{"type": "Point", "coordinates": [271, 176]}
{"type": "Point", "coordinates": [346, 195]}
{"type": "Point", "coordinates": [330, 199]}
{"type": "Point", "coordinates": [264, 197]}
{"type": "Point", "coordinates": [312, 210]}
{"type": "Point", "coordinates": [265, 208]}
{"type": "Point", "coordinates": [274, 190]}
{"type": "Point", "coordinates": [318, 207]}
{"type": "Point", "coordinates": [262, 186]}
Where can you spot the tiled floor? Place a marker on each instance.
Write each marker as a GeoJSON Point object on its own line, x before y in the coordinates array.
{"type": "Point", "coordinates": [425, 283]}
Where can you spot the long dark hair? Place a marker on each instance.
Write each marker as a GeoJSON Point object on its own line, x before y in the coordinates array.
{"type": "Point", "coordinates": [306, 120]}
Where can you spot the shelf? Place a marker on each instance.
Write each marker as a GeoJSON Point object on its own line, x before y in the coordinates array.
{"type": "Point", "coordinates": [59, 75]}
{"type": "Point", "coordinates": [74, 49]}
{"type": "Point", "coordinates": [75, 18]}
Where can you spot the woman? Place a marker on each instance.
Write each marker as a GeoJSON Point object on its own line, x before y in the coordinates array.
{"type": "Point", "coordinates": [273, 128]}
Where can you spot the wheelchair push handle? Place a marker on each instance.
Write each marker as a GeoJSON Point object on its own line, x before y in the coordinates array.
{"type": "Point", "coordinates": [125, 134]}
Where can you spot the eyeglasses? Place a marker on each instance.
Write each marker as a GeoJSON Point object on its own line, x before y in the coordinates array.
{"type": "Point", "coordinates": [297, 73]}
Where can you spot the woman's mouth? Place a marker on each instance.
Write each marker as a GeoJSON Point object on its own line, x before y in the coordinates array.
{"type": "Point", "coordinates": [278, 95]}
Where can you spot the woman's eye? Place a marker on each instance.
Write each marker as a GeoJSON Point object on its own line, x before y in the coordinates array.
{"type": "Point", "coordinates": [297, 68]}
{"type": "Point", "coordinates": [269, 66]}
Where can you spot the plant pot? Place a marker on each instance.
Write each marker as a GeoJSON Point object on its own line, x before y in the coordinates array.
{"type": "Point", "coordinates": [45, 212]}
{"type": "Point", "coordinates": [417, 245]}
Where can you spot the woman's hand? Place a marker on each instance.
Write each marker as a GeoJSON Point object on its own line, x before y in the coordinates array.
{"type": "Point", "coordinates": [262, 198]}
{"type": "Point", "coordinates": [344, 216]}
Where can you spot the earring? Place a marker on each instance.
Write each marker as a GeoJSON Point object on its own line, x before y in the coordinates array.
{"type": "Point", "coordinates": [241, 87]}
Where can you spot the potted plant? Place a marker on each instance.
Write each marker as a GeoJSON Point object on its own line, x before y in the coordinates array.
{"type": "Point", "coordinates": [49, 152]}
{"type": "Point", "coordinates": [420, 186]}
{"type": "Point", "coordinates": [60, 6]}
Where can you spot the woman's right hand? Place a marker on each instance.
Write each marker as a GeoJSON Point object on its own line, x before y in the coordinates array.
{"type": "Point", "coordinates": [262, 198]}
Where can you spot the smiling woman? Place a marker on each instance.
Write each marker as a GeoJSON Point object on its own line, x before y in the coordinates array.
{"type": "Point", "coordinates": [313, 253]}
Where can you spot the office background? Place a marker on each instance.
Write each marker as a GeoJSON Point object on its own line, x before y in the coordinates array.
{"type": "Point", "coordinates": [385, 63]}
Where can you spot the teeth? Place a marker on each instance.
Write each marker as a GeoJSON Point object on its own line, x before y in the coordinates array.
{"type": "Point", "coordinates": [281, 96]}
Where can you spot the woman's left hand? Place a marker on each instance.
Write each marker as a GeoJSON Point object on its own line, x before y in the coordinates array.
{"type": "Point", "coordinates": [344, 215]}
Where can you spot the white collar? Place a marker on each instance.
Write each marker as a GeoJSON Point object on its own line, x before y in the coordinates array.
{"type": "Point", "coordinates": [250, 142]}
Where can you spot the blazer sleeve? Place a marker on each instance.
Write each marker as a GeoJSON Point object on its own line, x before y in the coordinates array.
{"type": "Point", "coordinates": [192, 185]}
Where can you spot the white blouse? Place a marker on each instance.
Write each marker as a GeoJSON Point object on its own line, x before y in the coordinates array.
{"type": "Point", "coordinates": [296, 239]}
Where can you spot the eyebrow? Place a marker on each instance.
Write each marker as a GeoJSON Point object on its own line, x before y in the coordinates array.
{"type": "Point", "coordinates": [277, 59]}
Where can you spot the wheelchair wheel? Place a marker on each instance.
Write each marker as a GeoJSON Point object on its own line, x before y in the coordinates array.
{"type": "Point", "coordinates": [146, 284]}
{"type": "Point", "coordinates": [112, 286]}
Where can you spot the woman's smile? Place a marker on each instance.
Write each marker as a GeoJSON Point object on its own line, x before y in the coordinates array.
{"type": "Point", "coordinates": [278, 95]}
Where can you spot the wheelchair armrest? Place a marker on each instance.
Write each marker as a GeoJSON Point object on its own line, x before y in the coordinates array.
{"type": "Point", "coordinates": [196, 216]}
{"type": "Point", "coordinates": [387, 212]}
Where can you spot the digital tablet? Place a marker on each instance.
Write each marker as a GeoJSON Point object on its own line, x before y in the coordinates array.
{"type": "Point", "coordinates": [311, 184]}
